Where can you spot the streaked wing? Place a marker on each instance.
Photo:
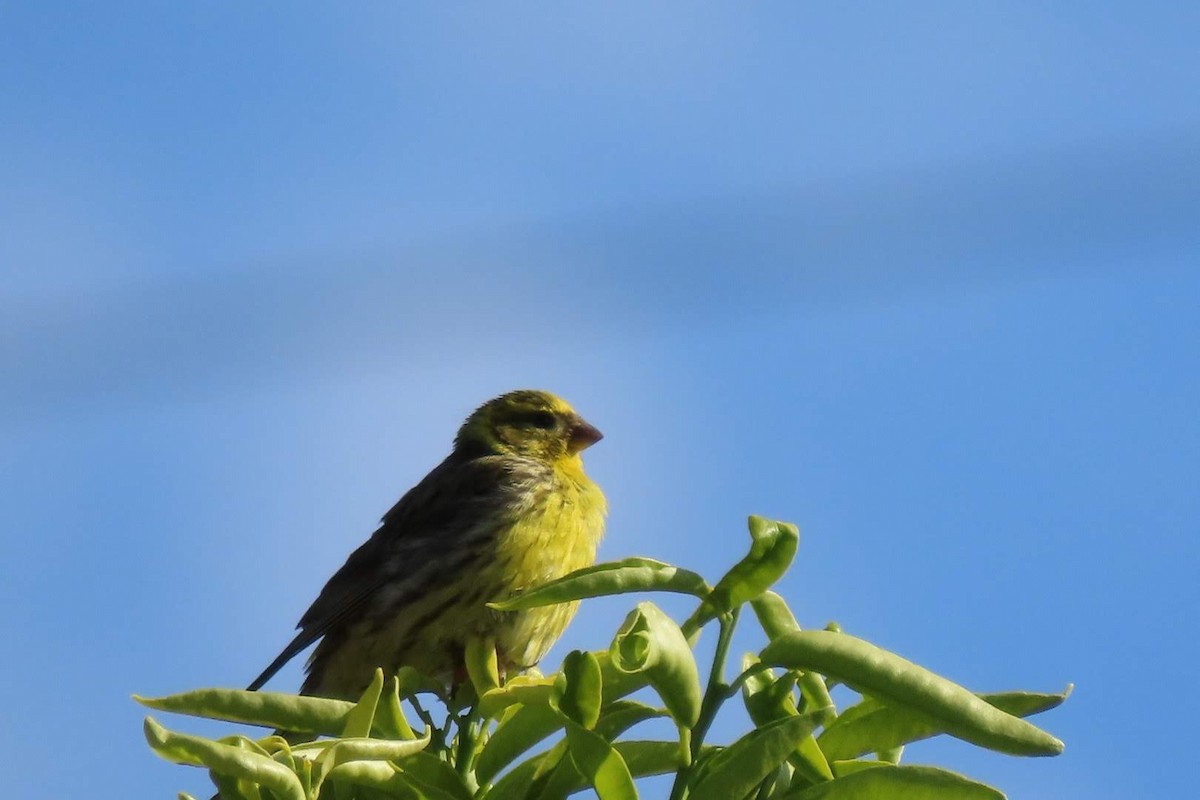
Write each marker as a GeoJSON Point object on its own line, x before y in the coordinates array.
{"type": "Point", "coordinates": [433, 517]}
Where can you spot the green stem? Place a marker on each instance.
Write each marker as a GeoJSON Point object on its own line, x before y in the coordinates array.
{"type": "Point", "coordinates": [703, 614]}
{"type": "Point", "coordinates": [714, 696]}
{"type": "Point", "coordinates": [464, 756]}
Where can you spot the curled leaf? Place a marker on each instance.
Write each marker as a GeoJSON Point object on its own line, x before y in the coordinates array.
{"type": "Point", "coordinates": [650, 642]}
{"type": "Point", "coordinates": [772, 548]}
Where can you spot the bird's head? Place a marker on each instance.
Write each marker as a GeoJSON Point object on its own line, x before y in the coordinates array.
{"type": "Point", "coordinates": [526, 423]}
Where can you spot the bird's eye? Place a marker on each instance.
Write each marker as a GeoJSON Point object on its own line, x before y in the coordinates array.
{"type": "Point", "coordinates": [541, 419]}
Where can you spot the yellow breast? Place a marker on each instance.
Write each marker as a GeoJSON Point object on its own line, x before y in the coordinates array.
{"type": "Point", "coordinates": [557, 535]}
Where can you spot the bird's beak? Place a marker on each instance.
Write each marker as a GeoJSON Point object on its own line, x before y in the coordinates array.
{"type": "Point", "coordinates": [583, 436]}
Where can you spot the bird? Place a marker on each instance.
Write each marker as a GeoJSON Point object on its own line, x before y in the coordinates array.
{"type": "Point", "coordinates": [508, 509]}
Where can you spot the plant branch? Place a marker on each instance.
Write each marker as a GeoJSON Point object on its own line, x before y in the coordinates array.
{"type": "Point", "coordinates": [714, 695]}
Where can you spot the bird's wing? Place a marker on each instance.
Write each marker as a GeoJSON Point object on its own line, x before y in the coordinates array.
{"type": "Point", "coordinates": [459, 499]}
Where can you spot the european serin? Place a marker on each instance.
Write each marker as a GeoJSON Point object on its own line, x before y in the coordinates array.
{"type": "Point", "coordinates": [509, 508]}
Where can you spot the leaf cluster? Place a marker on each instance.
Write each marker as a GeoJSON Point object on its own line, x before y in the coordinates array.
{"type": "Point", "coordinates": [538, 737]}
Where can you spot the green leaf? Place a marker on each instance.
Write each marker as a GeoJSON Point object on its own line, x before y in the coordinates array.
{"type": "Point", "coordinates": [870, 726]}
{"type": "Point", "coordinates": [646, 758]}
{"type": "Point", "coordinates": [581, 688]}
{"type": "Point", "coordinates": [379, 775]}
{"type": "Point", "coordinates": [772, 548]}
{"type": "Point", "coordinates": [225, 759]}
{"type": "Point", "coordinates": [773, 615]}
{"type": "Point", "coordinates": [809, 761]}
{"type": "Point", "coordinates": [767, 700]}
{"type": "Point", "coordinates": [270, 709]}
{"type": "Point", "coordinates": [615, 577]}
{"type": "Point", "coordinates": [523, 689]}
{"type": "Point", "coordinates": [230, 788]}
{"type": "Point", "coordinates": [617, 682]}
{"type": "Point", "coordinates": [650, 642]}
{"type": "Point", "coordinates": [843, 768]}
{"type": "Point", "coordinates": [528, 726]}
{"type": "Point", "coordinates": [897, 681]}
{"type": "Point", "coordinates": [621, 715]}
{"type": "Point", "coordinates": [344, 751]}
{"type": "Point", "coordinates": [816, 697]}
{"type": "Point", "coordinates": [358, 723]}
{"type": "Point", "coordinates": [740, 768]}
{"type": "Point", "coordinates": [419, 777]}
{"type": "Point", "coordinates": [898, 783]}
{"type": "Point", "coordinates": [600, 764]}
{"type": "Point", "coordinates": [642, 758]}
{"type": "Point", "coordinates": [776, 620]}
{"type": "Point", "coordinates": [767, 697]}
{"type": "Point", "coordinates": [891, 755]}
{"type": "Point", "coordinates": [516, 782]}
{"type": "Point", "coordinates": [434, 777]}
{"type": "Point", "coordinates": [482, 665]}
{"type": "Point", "coordinates": [390, 721]}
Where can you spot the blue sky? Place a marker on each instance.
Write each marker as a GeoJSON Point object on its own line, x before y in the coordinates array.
{"type": "Point", "coordinates": [922, 280]}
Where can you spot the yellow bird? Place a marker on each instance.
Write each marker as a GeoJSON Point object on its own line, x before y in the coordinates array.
{"type": "Point", "coordinates": [508, 509]}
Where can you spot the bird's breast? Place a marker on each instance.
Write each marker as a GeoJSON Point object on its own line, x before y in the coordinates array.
{"type": "Point", "coordinates": [557, 531]}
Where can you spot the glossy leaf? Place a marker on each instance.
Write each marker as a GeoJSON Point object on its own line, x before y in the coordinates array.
{"type": "Point", "coordinates": [772, 548]}
{"type": "Point", "coordinates": [390, 721]}
{"type": "Point", "coordinates": [528, 726]}
{"type": "Point", "coordinates": [231, 788]}
{"type": "Point", "coordinates": [226, 759]}
{"type": "Point", "coordinates": [621, 715]}
{"type": "Point", "coordinates": [898, 783]}
{"type": "Point", "coordinates": [522, 690]}
{"type": "Point", "coordinates": [434, 777]}
{"type": "Point", "coordinates": [740, 768]}
{"type": "Point", "coordinates": [581, 688]}
{"type": "Point", "coordinates": [482, 664]}
{"type": "Point", "coordinates": [650, 642]}
{"type": "Point", "coordinates": [875, 671]}
{"type": "Point", "coordinates": [270, 709]}
{"type": "Point", "coordinates": [768, 699]}
{"type": "Point", "coordinates": [422, 777]}
{"type": "Point", "coordinates": [615, 577]}
{"type": "Point", "coordinates": [345, 751]}
{"type": "Point", "coordinates": [601, 764]}
{"type": "Point", "coordinates": [358, 723]}
{"type": "Point", "coordinates": [816, 697]}
{"type": "Point", "coordinates": [773, 615]}
{"type": "Point", "coordinates": [870, 726]}
{"type": "Point", "coordinates": [617, 682]}
{"type": "Point", "coordinates": [382, 776]}
{"type": "Point", "coordinates": [843, 768]}
{"type": "Point", "coordinates": [642, 758]}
